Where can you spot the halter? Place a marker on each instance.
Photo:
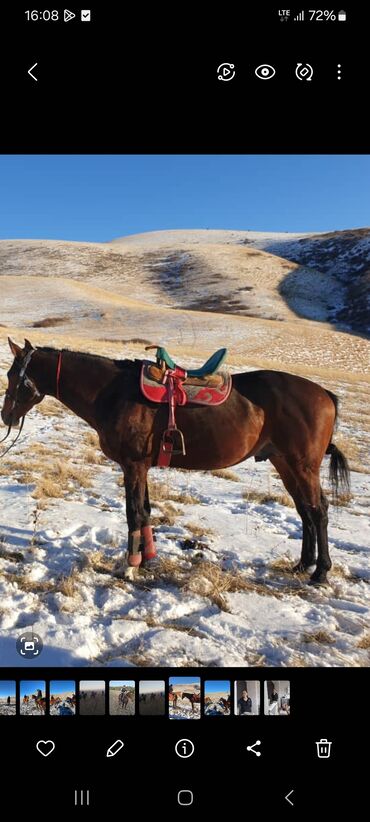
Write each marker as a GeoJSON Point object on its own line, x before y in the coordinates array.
{"type": "Point", "coordinates": [22, 378]}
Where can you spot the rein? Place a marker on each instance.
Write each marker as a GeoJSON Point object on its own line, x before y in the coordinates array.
{"type": "Point", "coordinates": [22, 377]}
{"type": "Point", "coordinates": [14, 441]}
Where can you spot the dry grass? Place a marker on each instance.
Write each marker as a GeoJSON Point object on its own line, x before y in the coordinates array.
{"type": "Point", "coordinates": [225, 473]}
{"type": "Point", "coordinates": [206, 579]}
{"type": "Point", "coordinates": [343, 573]}
{"type": "Point", "coordinates": [364, 643]}
{"type": "Point", "coordinates": [30, 586]}
{"type": "Point", "coordinates": [298, 662]}
{"type": "Point", "coordinates": [162, 491]}
{"type": "Point", "coordinates": [90, 438]}
{"type": "Point", "coordinates": [51, 478]}
{"type": "Point", "coordinates": [93, 457]}
{"type": "Point", "coordinates": [198, 530]}
{"type": "Point", "coordinates": [50, 407]}
{"type": "Point", "coordinates": [67, 585]}
{"type": "Point", "coordinates": [48, 322]}
{"type": "Point", "coordinates": [99, 562]}
{"type": "Point", "coordinates": [264, 497]}
{"type": "Point", "coordinates": [13, 556]}
{"type": "Point", "coordinates": [347, 444]}
{"type": "Point", "coordinates": [46, 487]}
{"type": "Point", "coordinates": [282, 565]}
{"type": "Point", "coordinates": [60, 478]}
{"type": "Point", "coordinates": [41, 450]}
{"type": "Point", "coordinates": [168, 515]}
{"type": "Point", "coordinates": [321, 637]}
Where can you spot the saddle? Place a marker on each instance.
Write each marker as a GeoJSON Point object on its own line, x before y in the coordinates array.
{"type": "Point", "coordinates": [168, 382]}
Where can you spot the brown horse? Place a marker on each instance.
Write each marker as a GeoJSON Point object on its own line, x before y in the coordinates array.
{"type": "Point", "coordinates": [269, 415]}
{"type": "Point", "coordinates": [225, 703]}
{"type": "Point", "coordinates": [194, 699]}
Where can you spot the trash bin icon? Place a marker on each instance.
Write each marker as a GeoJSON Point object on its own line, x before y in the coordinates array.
{"type": "Point", "coordinates": [323, 749]}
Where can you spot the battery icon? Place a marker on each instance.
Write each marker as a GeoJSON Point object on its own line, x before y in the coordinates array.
{"type": "Point", "coordinates": [342, 16]}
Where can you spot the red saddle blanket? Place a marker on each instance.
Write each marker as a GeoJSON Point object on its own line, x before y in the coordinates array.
{"type": "Point", "coordinates": [198, 394]}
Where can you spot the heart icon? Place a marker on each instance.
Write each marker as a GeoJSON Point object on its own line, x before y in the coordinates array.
{"type": "Point", "coordinates": [45, 746]}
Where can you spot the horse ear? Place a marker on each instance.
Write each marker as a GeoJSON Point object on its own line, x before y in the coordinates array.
{"type": "Point", "coordinates": [28, 346]}
{"type": "Point", "coordinates": [15, 349]}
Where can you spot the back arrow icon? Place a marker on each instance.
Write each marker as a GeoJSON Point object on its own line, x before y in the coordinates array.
{"type": "Point", "coordinates": [30, 72]}
{"type": "Point", "coordinates": [288, 795]}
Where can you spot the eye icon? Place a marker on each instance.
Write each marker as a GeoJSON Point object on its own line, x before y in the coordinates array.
{"type": "Point", "coordinates": [265, 72]}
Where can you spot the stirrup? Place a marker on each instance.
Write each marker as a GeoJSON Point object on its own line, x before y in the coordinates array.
{"type": "Point", "coordinates": [168, 441]}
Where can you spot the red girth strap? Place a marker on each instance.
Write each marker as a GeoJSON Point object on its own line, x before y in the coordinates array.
{"type": "Point", "coordinates": [173, 379]}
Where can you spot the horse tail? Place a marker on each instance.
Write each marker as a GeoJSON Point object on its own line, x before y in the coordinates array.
{"type": "Point", "coordinates": [339, 473]}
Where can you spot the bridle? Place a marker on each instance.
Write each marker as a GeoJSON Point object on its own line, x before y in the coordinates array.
{"type": "Point", "coordinates": [22, 380]}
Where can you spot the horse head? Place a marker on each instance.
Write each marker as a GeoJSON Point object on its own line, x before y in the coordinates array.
{"type": "Point", "coordinates": [22, 393]}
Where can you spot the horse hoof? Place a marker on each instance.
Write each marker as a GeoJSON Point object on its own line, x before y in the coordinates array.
{"type": "Point", "coordinates": [130, 573]}
{"type": "Point", "coordinates": [318, 579]}
{"type": "Point", "coordinates": [300, 568]}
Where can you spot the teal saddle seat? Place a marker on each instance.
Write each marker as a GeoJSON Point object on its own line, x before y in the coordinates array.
{"type": "Point", "coordinates": [209, 367]}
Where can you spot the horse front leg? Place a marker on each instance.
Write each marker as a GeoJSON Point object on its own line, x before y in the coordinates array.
{"type": "Point", "coordinates": [149, 549]}
{"type": "Point", "coordinates": [135, 475]}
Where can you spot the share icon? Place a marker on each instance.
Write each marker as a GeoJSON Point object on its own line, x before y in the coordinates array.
{"type": "Point", "coordinates": [252, 747]}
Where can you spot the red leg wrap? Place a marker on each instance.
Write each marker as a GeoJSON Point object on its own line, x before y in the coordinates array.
{"type": "Point", "coordinates": [150, 550]}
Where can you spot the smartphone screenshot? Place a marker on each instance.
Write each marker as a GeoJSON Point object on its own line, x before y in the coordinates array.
{"type": "Point", "coordinates": [184, 399]}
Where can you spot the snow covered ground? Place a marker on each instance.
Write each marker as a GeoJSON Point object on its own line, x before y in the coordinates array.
{"type": "Point", "coordinates": [225, 597]}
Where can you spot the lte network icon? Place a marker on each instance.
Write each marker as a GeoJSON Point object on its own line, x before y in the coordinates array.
{"type": "Point", "coordinates": [68, 15]}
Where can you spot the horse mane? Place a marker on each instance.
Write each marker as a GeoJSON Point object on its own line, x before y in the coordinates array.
{"type": "Point", "coordinates": [85, 355]}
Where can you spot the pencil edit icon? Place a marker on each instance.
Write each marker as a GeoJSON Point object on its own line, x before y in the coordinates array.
{"type": "Point", "coordinates": [115, 748]}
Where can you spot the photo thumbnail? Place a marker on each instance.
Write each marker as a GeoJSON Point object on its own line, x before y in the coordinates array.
{"type": "Point", "coordinates": [217, 698]}
{"type": "Point", "coordinates": [247, 698]}
{"type": "Point", "coordinates": [122, 697]}
{"type": "Point", "coordinates": [92, 698]}
{"type": "Point", "coordinates": [184, 697]}
{"type": "Point", "coordinates": [152, 700]}
{"type": "Point", "coordinates": [32, 697]}
{"type": "Point", "coordinates": [62, 698]}
{"type": "Point", "coordinates": [7, 698]}
{"type": "Point", "coordinates": [277, 698]}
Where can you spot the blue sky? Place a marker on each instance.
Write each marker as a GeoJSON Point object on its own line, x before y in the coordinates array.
{"type": "Point", "coordinates": [213, 687]}
{"type": "Point", "coordinates": [62, 687]}
{"type": "Point", "coordinates": [99, 197]}
{"type": "Point", "coordinates": [119, 683]}
{"type": "Point", "coordinates": [7, 688]}
{"type": "Point", "coordinates": [184, 680]}
{"type": "Point", "coordinates": [30, 686]}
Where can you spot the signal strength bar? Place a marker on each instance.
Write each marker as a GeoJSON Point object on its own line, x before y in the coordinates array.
{"type": "Point", "coordinates": [299, 17]}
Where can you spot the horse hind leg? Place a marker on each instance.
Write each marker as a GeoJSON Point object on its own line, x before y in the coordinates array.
{"type": "Point", "coordinates": [316, 507]}
{"type": "Point", "coordinates": [308, 551]}
{"type": "Point", "coordinates": [320, 517]}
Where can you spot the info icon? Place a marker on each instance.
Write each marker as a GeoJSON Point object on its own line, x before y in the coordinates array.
{"type": "Point", "coordinates": [29, 645]}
